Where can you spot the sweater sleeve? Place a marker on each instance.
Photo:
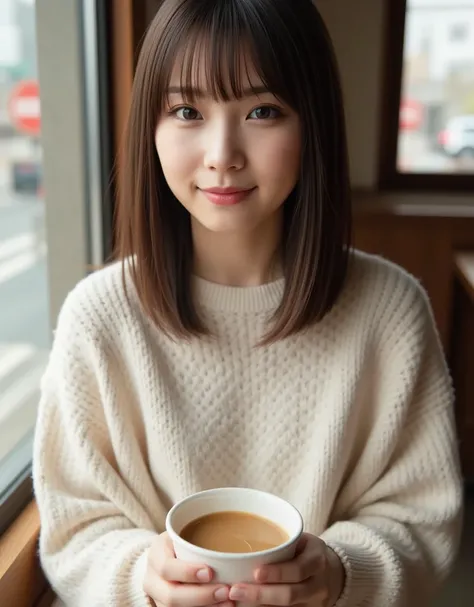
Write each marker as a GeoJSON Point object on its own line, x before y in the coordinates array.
{"type": "Point", "coordinates": [95, 531]}
{"type": "Point", "coordinates": [398, 539]}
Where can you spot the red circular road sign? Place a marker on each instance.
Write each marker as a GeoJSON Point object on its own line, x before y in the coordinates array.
{"type": "Point", "coordinates": [24, 107]}
{"type": "Point", "coordinates": [411, 115]}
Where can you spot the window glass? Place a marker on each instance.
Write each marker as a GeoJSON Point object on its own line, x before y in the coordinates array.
{"type": "Point", "coordinates": [24, 315]}
{"type": "Point", "coordinates": [437, 105]}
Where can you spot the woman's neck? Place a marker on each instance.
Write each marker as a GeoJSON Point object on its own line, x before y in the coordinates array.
{"type": "Point", "coordinates": [238, 259]}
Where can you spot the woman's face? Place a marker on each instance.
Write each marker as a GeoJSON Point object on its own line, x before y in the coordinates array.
{"type": "Point", "coordinates": [230, 164]}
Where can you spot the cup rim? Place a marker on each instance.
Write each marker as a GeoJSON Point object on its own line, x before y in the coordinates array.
{"type": "Point", "coordinates": [205, 552]}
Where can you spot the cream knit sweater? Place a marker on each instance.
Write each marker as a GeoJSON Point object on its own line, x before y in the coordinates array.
{"type": "Point", "coordinates": [351, 421]}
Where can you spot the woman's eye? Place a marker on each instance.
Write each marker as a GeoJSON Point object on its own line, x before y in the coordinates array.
{"type": "Point", "coordinates": [264, 112]}
{"type": "Point", "coordinates": [187, 114]}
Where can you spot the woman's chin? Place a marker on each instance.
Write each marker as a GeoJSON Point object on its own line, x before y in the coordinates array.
{"type": "Point", "coordinates": [222, 225]}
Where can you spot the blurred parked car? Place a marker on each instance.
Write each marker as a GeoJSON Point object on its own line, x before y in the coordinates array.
{"type": "Point", "coordinates": [26, 176]}
{"type": "Point", "coordinates": [26, 170]}
{"type": "Point", "coordinates": [457, 139]}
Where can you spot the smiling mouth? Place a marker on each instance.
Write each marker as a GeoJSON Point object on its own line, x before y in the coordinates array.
{"type": "Point", "coordinates": [226, 196]}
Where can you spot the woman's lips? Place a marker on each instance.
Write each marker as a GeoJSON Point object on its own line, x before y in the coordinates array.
{"type": "Point", "coordinates": [226, 196]}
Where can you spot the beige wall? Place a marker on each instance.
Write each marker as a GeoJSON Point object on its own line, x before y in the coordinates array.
{"type": "Point", "coordinates": [356, 27]}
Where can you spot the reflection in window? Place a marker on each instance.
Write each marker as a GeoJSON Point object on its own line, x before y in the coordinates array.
{"type": "Point", "coordinates": [437, 105]}
{"type": "Point", "coordinates": [24, 316]}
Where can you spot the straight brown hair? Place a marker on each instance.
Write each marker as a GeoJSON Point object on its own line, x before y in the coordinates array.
{"type": "Point", "coordinates": [291, 50]}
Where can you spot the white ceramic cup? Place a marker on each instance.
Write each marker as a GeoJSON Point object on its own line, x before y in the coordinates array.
{"type": "Point", "coordinates": [231, 568]}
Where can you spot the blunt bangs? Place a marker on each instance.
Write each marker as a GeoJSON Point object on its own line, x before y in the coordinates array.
{"type": "Point", "coordinates": [216, 43]}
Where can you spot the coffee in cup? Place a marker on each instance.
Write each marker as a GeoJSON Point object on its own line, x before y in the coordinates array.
{"type": "Point", "coordinates": [234, 532]}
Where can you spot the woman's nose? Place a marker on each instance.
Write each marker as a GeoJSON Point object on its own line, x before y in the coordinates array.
{"type": "Point", "coordinates": [223, 149]}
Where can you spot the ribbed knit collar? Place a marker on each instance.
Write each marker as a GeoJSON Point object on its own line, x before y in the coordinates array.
{"type": "Point", "coordinates": [223, 298]}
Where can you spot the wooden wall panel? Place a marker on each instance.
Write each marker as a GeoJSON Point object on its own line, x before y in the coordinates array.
{"type": "Point", "coordinates": [128, 23]}
{"type": "Point", "coordinates": [425, 246]}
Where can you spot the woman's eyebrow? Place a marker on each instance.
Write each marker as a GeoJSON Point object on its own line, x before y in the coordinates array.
{"type": "Point", "coordinates": [195, 92]}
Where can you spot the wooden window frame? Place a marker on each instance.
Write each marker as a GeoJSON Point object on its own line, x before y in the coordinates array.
{"type": "Point", "coordinates": [389, 177]}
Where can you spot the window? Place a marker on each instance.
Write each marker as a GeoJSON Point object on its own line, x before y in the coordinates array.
{"type": "Point", "coordinates": [24, 312]}
{"type": "Point", "coordinates": [52, 202]}
{"type": "Point", "coordinates": [429, 95]}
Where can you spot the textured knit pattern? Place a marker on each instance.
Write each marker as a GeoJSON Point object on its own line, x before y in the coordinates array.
{"type": "Point", "coordinates": [351, 421]}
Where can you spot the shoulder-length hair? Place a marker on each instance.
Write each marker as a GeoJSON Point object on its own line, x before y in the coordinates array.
{"type": "Point", "coordinates": [292, 53]}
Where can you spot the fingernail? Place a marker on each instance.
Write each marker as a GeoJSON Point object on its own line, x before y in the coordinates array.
{"type": "Point", "coordinates": [222, 594]}
{"type": "Point", "coordinates": [237, 594]}
{"type": "Point", "coordinates": [262, 575]}
{"type": "Point", "coordinates": [203, 575]}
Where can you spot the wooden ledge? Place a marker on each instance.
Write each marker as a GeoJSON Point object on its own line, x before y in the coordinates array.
{"type": "Point", "coordinates": [413, 204]}
{"type": "Point", "coordinates": [22, 581]}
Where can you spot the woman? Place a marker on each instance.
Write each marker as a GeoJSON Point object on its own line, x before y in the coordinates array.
{"type": "Point", "coordinates": [241, 341]}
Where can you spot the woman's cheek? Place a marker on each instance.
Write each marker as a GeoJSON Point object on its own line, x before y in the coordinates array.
{"type": "Point", "coordinates": [177, 151]}
{"type": "Point", "coordinates": [280, 154]}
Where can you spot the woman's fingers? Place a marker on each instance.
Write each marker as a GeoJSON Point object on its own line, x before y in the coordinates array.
{"type": "Point", "coordinates": [170, 594]}
{"type": "Point", "coordinates": [174, 583]}
{"type": "Point", "coordinates": [310, 561]}
{"type": "Point", "coordinates": [173, 570]}
{"type": "Point", "coordinates": [281, 595]}
{"type": "Point", "coordinates": [164, 562]}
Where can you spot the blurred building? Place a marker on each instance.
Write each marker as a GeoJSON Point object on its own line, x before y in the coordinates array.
{"type": "Point", "coordinates": [17, 50]}
{"type": "Point", "coordinates": [439, 60]}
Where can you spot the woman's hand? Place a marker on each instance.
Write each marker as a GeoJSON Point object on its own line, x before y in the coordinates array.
{"type": "Point", "coordinates": [314, 576]}
{"type": "Point", "coordinates": [170, 582]}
